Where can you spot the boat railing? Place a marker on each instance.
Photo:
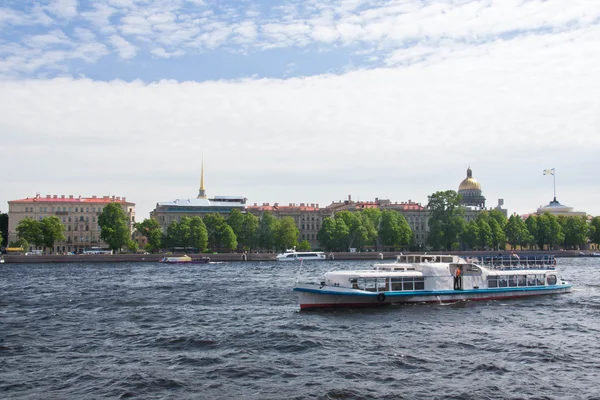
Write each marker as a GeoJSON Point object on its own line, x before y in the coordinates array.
{"type": "Point", "coordinates": [525, 262]}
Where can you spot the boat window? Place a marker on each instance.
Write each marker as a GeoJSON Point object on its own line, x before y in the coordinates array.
{"type": "Point", "coordinates": [512, 280]}
{"type": "Point", "coordinates": [551, 279]}
{"type": "Point", "coordinates": [408, 283]}
{"type": "Point", "coordinates": [492, 281]}
{"type": "Point", "coordinates": [382, 283]}
{"type": "Point", "coordinates": [419, 284]}
{"type": "Point", "coordinates": [360, 282]}
{"type": "Point", "coordinates": [539, 279]}
{"type": "Point", "coordinates": [522, 280]}
{"type": "Point", "coordinates": [502, 282]}
{"type": "Point", "coordinates": [290, 256]}
{"type": "Point", "coordinates": [531, 280]}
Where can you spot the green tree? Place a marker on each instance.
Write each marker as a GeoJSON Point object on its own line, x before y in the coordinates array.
{"type": "Point", "coordinates": [358, 234]}
{"type": "Point", "coordinates": [485, 235]}
{"type": "Point", "coordinates": [114, 227]}
{"type": "Point", "coordinates": [220, 234]}
{"type": "Point", "coordinates": [532, 227]}
{"type": "Point", "coordinates": [30, 230]}
{"type": "Point", "coordinates": [446, 220]}
{"type": "Point", "coordinates": [371, 220]}
{"type": "Point", "coordinates": [249, 234]}
{"type": "Point", "coordinates": [286, 235]}
{"type": "Point", "coordinates": [575, 230]}
{"type": "Point", "coordinates": [303, 246]}
{"type": "Point", "coordinates": [595, 230]}
{"type": "Point", "coordinates": [150, 228]}
{"type": "Point", "coordinates": [3, 229]}
{"type": "Point", "coordinates": [498, 235]}
{"type": "Point", "coordinates": [549, 231]}
{"type": "Point", "coordinates": [516, 232]}
{"type": "Point", "coordinates": [245, 226]}
{"type": "Point", "coordinates": [52, 231]}
{"type": "Point", "coordinates": [133, 246]}
{"type": "Point", "coordinates": [266, 231]}
{"type": "Point", "coordinates": [235, 220]}
{"type": "Point", "coordinates": [326, 235]}
{"type": "Point", "coordinates": [394, 231]}
{"type": "Point", "coordinates": [470, 235]}
{"type": "Point", "coordinates": [198, 234]}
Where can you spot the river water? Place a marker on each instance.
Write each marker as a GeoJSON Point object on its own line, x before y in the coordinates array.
{"type": "Point", "coordinates": [234, 330]}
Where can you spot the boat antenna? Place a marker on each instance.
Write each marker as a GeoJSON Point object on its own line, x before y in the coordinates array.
{"type": "Point", "coordinates": [299, 268]}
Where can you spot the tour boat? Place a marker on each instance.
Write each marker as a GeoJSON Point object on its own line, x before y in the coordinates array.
{"type": "Point", "coordinates": [293, 255]}
{"type": "Point", "coordinates": [185, 260]}
{"type": "Point", "coordinates": [434, 279]}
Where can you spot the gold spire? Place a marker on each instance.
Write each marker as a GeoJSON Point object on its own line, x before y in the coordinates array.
{"type": "Point", "coordinates": [202, 192]}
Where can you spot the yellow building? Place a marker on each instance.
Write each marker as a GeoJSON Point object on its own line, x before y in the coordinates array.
{"type": "Point", "coordinates": [79, 215]}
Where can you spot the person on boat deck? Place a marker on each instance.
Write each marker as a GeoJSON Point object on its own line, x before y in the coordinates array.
{"type": "Point", "coordinates": [457, 283]}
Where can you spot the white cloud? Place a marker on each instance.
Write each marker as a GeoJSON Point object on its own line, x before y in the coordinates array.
{"type": "Point", "coordinates": [63, 8]}
{"type": "Point", "coordinates": [126, 49]}
{"type": "Point", "coordinates": [510, 110]}
{"type": "Point", "coordinates": [162, 53]}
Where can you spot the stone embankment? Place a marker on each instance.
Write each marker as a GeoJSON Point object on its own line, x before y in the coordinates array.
{"type": "Point", "coordinates": [340, 256]}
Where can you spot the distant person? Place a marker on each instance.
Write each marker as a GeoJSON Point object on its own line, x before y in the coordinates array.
{"type": "Point", "coordinates": [457, 283]}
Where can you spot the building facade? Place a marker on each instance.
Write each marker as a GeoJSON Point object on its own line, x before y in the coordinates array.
{"type": "Point", "coordinates": [167, 212]}
{"type": "Point", "coordinates": [79, 215]}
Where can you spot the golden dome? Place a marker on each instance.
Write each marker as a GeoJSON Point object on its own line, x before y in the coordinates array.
{"type": "Point", "coordinates": [469, 183]}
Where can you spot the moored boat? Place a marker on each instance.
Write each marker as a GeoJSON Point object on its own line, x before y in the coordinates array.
{"type": "Point", "coordinates": [185, 260]}
{"type": "Point", "coordinates": [293, 255]}
{"type": "Point", "coordinates": [433, 279]}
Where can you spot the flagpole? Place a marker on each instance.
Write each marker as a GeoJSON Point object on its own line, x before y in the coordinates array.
{"type": "Point", "coordinates": [554, 176]}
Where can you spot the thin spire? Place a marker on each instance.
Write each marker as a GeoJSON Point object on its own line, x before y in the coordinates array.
{"type": "Point", "coordinates": [202, 192]}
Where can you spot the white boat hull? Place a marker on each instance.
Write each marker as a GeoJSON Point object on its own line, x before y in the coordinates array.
{"type": "Point", "coordinates": [313, 296]}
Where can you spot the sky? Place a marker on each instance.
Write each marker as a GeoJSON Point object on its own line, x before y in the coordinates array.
{"type": "Point", "coordinates": [305, 101]}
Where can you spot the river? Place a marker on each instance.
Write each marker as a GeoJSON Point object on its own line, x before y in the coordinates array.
{"type": "Point", "coordinates": [234, 330]}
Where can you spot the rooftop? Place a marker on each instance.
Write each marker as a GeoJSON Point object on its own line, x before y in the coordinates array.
{"type": "Point", "coordinates": [71, 199]}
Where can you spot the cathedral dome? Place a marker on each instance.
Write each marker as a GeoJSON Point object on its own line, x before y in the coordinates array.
{"type": "Point", "coordinates": [469, 183]}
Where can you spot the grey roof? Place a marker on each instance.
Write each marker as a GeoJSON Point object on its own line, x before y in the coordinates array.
{"type": "Point", "coordinates": [198, 203]}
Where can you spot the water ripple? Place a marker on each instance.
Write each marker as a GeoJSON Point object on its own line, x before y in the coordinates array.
{"type": "Point", "coordinates": [233, 330]}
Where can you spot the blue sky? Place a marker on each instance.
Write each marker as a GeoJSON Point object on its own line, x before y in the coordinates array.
{"type": "Point", "coordinates": [301, 101]}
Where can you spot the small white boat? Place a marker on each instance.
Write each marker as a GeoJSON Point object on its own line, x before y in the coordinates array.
{"type": "Point", "coordinates": [293, 255]}
{"type": "Point", "coordinates": [433, 279]}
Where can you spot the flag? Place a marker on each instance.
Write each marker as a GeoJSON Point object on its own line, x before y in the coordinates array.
{"type": "Point", "coordinates": [549, 171]}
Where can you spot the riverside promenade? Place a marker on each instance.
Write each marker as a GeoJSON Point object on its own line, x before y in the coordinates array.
{"type": "Point", "coordinates": [241, 257]}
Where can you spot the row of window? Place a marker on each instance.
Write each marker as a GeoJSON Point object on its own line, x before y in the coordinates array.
{"type": "Point", "coordinates": [395, 284]}
{"type": "Point", "coordinates": [520, 280]}
{"type": "Point", "coordinates": [64, 209]}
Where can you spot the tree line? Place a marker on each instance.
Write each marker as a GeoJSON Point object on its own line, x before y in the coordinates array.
{"type": "Point", "coordinates": [375, 228]}
{"type": "Point", "coordinates": [448, 229]}
{"type": "Point", "coordinates": [214, 232]}
{"type": "Point", "coordinates": [369, 227]}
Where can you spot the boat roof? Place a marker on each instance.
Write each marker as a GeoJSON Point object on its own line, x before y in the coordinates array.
{"type": "Point", "coordinates": [373, 273]}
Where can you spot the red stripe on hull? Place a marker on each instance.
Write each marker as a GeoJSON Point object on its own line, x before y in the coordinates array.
{"type": "Point", "coordinates": [354, 305]}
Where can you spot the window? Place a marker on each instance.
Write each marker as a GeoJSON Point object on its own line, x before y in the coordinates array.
{"type": "Point", "coordinates": [87, 209]}
{"type": "Point", "coordinates": [76, 209]}
{"type": "Point", "coordinates": [551, 279]}
{"type": "Point", "coordinates": [64, 208]}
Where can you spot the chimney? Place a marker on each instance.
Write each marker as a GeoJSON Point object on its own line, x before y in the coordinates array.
{"type": "Point", "coordinates": [48, 196]}
{"type": "Point", "coordinates": [55, 196]}
{"type": "Point", "coordinates": [62, 196]}
{"type": "Point", "coordinates": [93, 197]}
